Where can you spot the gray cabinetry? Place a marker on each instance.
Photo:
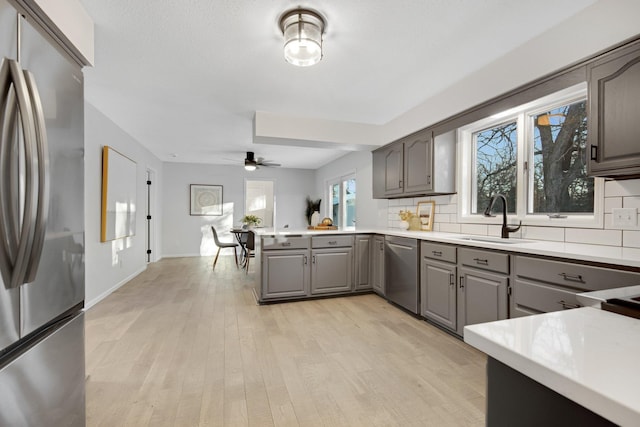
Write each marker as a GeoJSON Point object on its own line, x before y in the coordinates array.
{"type": "Point", "coordinates": [285, 273]}
{"type": "Point", "coordinates": [438, 296]}
{"type": "Point", "coordinates": [285, 267]}
{"type": "Point", "coordinates": [483, 285]}
{"type": "Point", "coordinates": [417, 164]}
{"type": "Point", "coordinates": [543, 285]}
{"type": "Point", "coordinates": [614, 114]}
{"type": "Point", "coordinates": [331, 264]}
{"type": "Point", "coordinates": [362, 262]}
{"type": "Point", "coordinates": [377, 265]}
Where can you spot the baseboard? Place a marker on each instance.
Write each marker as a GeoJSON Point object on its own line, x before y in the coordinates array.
{"type": "Point", "coordinates": [89, 304]}
{"type": "Point", "coordinates": [183, 255]}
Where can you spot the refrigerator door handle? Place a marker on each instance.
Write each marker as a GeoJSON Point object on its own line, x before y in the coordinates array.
{"type": "Point", "coordinates": [16, 233]}
{"type": "Point", "coordinates": [42, 208]}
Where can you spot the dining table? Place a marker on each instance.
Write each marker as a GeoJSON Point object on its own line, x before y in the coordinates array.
{"type": "Point", "coordinates": [241, 237]}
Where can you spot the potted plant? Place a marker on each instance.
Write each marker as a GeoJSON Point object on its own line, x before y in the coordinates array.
{"type": "Point", "coordinates": [251, 220]}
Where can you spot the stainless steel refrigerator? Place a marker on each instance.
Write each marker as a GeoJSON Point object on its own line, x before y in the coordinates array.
{"type": "Point", "coordinates": [42, 371]}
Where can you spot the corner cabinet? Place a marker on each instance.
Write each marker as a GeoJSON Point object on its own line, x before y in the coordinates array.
{"type": "Point", "coordinates": [285, 267]}
{"type": "Point", "coordinates": [407, 167]}
{"type": "Point", "coordinates": [614, 114]}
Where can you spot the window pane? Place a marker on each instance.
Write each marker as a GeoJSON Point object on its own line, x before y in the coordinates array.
{"type": "Point", "coordinates": [560, 182]}
{"type": "Point", "coordinates": [495, 166]}
{"type": "Point", "coordinates": [335, 203]}
{"type": "Point", "coordinates": [350, 202]}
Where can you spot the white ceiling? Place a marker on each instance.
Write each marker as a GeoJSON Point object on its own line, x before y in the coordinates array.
{"type": "Point", "coordinates": [185, 78]}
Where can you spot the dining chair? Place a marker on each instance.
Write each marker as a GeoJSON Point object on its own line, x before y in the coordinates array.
{"type": "Point", "coordinates": [221, 245]}
{"type": "Point", "coordinates": [249, 246]}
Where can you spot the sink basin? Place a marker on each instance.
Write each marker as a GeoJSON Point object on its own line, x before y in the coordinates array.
{"type": "Point", "coordinates": [498, 240]}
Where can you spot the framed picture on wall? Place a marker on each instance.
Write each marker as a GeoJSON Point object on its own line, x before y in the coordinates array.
{"type": "Point", "coordinates": [425, 213]}
{"type": "Point", "coordinates": [206, 199]}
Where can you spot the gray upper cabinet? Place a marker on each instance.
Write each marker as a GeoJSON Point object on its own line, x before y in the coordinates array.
{"type": "Point", "coordinates": [614, 114]}
{"type": "Point", "coordinates": [415, 165]}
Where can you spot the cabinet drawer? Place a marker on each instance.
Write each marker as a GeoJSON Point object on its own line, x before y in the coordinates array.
{"type": "Point", "coordinates": [485, 260]}
{"type": "Point", "coordinates": [542, 298]}
{"type": "Point", "coordinates": [284, 242]}
{"type": "Point", "coordinates": [574, 276]}
{"type": "Point", "coordinates": [331, 241]}
{"type": "Point", "coordinates": [438, 251]}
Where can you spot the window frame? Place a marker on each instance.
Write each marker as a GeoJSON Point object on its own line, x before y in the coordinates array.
{"type": "Point", "coordinates": [525, 131]}
{"type": "Point", "coordinates": [342, 202]}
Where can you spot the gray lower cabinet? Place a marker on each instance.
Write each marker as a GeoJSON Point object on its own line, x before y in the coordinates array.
{"type": "Point", "coordinates": [331, 270]}
{"type": "Point", "coordinates": [438, 293]}
{"type": "Point", "coordinates": [544, 285]}
{"type": "Point", "coordinates": [377, 265]}
{"type": "Point", "coordinates": [285, 273]}
{"type": "Point", "coordinates": [483, 286]}
{"type": "Point", "coordinates": [362, 262]}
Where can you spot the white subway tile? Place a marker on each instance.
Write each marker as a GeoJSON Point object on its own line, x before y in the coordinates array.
{"type": "Point", "coordinates": [612, 203]}
{"type": "Point", "coordinates": [631, 239]}
{"type": "Point", "coordinates": [631, 202]}
{"type": "Point", "coordinates": [450, 209]}
{"type": "Point", "coordinates": [629, 187]}
{"type": "Point", "coordinates": [480, 229]}
{"type": "Point", "coordinates": [593, 236]}
{"type": "Point", "coordinates": [554, 234]}
{"type": "Point", "coordinates": [450, 228]}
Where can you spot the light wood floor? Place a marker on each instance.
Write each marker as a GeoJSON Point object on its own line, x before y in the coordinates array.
{"type": "Point", "coordinates": [181, 345]}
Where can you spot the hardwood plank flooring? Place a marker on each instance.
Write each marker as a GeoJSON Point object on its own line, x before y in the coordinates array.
{"type": "Point", "coordinates": [182, 345]}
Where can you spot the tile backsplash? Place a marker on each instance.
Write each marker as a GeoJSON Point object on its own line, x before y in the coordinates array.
{"type": "Point", "coordinates": [618, 194]}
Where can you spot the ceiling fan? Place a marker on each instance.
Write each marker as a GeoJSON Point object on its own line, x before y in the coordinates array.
{"type": "Point", "coordinates": [251, 163]}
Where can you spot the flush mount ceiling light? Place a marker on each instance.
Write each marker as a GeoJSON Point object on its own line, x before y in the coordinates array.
{"type": "Point", "coordinates": [302, 30]}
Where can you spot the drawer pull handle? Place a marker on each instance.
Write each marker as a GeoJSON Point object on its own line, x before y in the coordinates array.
{"type": "Point", "coordinates": [572, 278]}
{"type": "Point", "coordinates": [333, 242]}
{"type": "Point", "coordinates": [436, 253]}
{"type": "Point", "coordinates": [286, 244]}
{"type": "Point", "coordinates": [481, 261]}
{"type": "Point", "coordinates": [565, 304]}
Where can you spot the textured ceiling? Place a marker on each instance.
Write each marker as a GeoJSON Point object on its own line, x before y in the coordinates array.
{"type": "Point", "coordinates": [185, 78]}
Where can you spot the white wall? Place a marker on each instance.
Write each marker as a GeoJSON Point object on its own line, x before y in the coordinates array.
{"type": "Point", "coordinates": [369, 212]}
{"type": "Point", "coordinates": [111, 264]}
{"type": "Point", "coordinates": [185, 235]}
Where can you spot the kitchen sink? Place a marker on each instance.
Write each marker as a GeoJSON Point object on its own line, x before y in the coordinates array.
{"type": "Point", "coordinates": [498, 240]}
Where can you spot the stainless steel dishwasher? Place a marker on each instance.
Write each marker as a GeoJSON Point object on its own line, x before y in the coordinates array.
{"type": "Point", "coordinates": [401, 260]}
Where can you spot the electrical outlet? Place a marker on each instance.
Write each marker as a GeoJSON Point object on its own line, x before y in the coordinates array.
{"type": "Point", "coordinates": [625, 217]}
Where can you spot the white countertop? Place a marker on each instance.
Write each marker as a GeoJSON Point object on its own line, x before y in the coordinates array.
{"type": "Point", "coordinates": [587, 355]}
{"type": "Point", "coordinates": [615, 255]}
{"type": "Point", "coordinates": [595, 298]}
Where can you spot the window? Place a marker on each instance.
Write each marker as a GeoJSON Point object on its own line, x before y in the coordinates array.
{"type": "Point", "coordinates": [342, 198]}
{"type": "Point", "coordinates": [535, 155]}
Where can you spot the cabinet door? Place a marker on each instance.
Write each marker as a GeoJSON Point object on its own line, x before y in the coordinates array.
{"type": "Point", "coordinates": [285, 274]}
{"type": "Point", "coordinates": [362, 265]}
{"type": "Point", "coordinates": [417, 163]}
{"type": "Point", "coordinates": [331, 270]}
{"type": "Point", "coordinates": [377, 265]}
{"type": "Point", "coordinates": [393, 169]}
{"type": "Point", "coordinates": [614, 114]}
{"type": "Point", "coordinates": [482, 297]}
{"type": "Point", "coordinates": [438, 292]}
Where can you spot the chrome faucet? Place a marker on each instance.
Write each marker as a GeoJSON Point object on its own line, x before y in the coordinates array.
{"type": "Point", "coordinates": [505, 228]}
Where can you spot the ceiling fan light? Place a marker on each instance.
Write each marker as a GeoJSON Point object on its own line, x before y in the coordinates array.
{"type": "Point", "coordinates": [249, 167]}
{"type": "Point", "coordinates": [302, 30]}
